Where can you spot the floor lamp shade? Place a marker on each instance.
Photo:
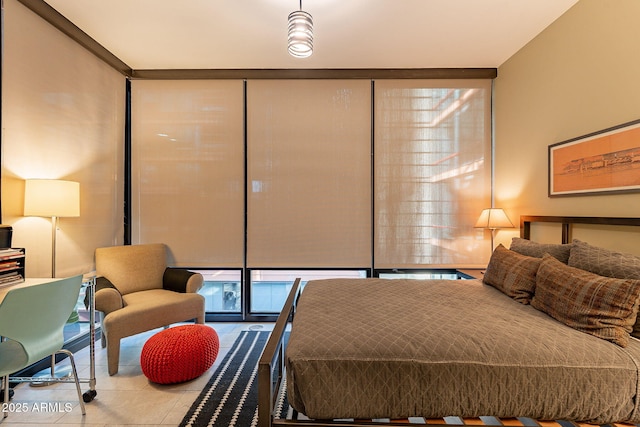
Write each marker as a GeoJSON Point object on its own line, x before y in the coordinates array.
{"type": "Point", "coordinates": [51, 198]}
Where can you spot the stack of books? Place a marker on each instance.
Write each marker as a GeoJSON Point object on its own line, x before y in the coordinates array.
{"type": "Point", "coordinates": [11, 266]}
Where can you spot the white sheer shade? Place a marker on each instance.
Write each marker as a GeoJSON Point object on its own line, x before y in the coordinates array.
{"type": "Point", "coordinates": [62, 116]}
{"type": "Point", "coordinates": [304, 194]}
{"type": "Point", "coordinates": [188, 169]}
{"type": "Point", "coordinates": [432, 171]}
{"type": "Point", "coordinates": [309, 173]}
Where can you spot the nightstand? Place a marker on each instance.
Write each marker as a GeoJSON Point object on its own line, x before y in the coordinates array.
{"type": "Point", "coordinates": [470, 273]}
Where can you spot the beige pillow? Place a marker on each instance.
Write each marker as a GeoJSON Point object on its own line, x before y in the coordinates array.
{"type": "Point", "coordinates": [512, 273]}
{"type": "Point", "coordinates": [527, 247]}
{"type": "Point", "coordinates": [600, 306]}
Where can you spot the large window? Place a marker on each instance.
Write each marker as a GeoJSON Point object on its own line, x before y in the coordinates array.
{"type": "Point", "coordinates": [222, 290]}
{"type": "Point", "coordinates": [269, 288]}
{"type": "Point", "coordinates": [255, 183]}
{"type": "Point", "coordinates": [63, 117]}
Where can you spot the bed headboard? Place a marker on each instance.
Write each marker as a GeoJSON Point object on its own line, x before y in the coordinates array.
{"type": "Point", "coordinates": [568, 221]}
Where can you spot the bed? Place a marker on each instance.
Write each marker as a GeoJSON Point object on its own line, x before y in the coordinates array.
{"type": "Point", "coordinates": [503, 347]}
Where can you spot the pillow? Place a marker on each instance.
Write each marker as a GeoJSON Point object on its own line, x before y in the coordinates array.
{"type": "Point", "coordinates": [529, 248]}
{"type": "Point", "coordinates": [512, 273]}
{"type": "Point", "coordinates": [603, 261]}
{"type": "Point", "coordinates": [606, 262]}
{"type": "Point", "coordinates": [601, 306]}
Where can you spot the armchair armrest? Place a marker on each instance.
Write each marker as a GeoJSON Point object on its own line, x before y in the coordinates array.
{"type": "Point", "coordinates": [181, 280]}
{"type": "Point", "coordinates": [108, 298]}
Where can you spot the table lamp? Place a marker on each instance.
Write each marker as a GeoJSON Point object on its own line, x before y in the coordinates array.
{"type": "Point", "coordinates": [492, 219]}
{"type": "Point", "coordinates": [52, 198]}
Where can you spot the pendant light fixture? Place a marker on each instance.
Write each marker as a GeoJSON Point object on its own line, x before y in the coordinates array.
{"type": "Point", "coordinates": [300, 33]}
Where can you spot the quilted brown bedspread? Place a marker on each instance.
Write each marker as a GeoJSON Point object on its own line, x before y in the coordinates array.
{"type": "Point", "coordinates": [375, 348]}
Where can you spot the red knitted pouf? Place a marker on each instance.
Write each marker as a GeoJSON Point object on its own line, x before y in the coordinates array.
{"type": "Point", "coordinates": [179, 354]}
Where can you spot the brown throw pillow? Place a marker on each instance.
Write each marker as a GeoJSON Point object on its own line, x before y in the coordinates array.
{"type": "Point", "coordinates": [600, 306]}
{"type": "Point", "coordinates": [527, 247]}
{"type": "Point", "coordinates": [605, 262]}
{"type": "Point", "coordinates": [512, 273]}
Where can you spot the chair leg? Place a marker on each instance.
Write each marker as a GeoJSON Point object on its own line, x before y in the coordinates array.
{"type": "Point", "coordinates": [5, 389]}
{"type": "Point", "coordinates": [53, 366]}
{"type": "Point", "coordinates": [113, 354]}
{"type": "Point", "coordinates": [103, 336]}
{"type": "Point", "coordinates": [75, 377]}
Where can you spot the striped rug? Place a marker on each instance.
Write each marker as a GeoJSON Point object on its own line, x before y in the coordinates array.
{"type": "Point", "coordinates": [230, 398]}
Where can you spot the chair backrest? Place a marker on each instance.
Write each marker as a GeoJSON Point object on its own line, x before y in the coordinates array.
{"type": "Point", "coordinates": [35, 315]}
{"type": "Point", "coordinates": [133, 268]}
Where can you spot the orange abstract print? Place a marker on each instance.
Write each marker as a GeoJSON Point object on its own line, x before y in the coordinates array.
{"type": "Point", "coordinates": [605, 162]}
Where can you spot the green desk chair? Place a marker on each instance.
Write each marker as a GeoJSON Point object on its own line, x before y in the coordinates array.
{"type": "Point", "coordinates": [32, 320]}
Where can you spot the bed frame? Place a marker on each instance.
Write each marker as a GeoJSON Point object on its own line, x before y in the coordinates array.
{"type": "Point", "coordinates": [271, 365]}
{"type": "Point", "coordinates": [568, 221]}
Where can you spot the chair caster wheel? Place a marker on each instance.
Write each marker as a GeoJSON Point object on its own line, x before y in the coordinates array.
{"type": "Point", "coordinates": [88, 396]}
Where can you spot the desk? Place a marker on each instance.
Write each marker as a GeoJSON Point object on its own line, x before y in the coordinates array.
{"type": "Point", "coordinates": [89, 283]}
{"type": "Point", "coordinates": [27, 282]}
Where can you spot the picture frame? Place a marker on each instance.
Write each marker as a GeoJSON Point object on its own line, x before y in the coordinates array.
{"type": "Point", "coordinates": [602, 162]}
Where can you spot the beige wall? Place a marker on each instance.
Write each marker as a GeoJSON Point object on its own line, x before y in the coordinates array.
{"type": "Point", "coordinates": [580, 75]}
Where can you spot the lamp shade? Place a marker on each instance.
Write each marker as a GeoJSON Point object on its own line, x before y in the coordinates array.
{"type": "Point", "coordinates": [493, 218]}
{"type": "Point", "coordinates": [51, 197]}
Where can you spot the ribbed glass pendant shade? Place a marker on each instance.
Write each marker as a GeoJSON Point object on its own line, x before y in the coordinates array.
{"type": "Point", "coordinates": [300, 34]}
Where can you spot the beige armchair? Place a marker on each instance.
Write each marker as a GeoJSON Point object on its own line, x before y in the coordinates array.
{"type": "Point", "coordinates": [136, 292]}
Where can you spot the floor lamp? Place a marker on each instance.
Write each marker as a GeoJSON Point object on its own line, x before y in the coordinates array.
{"type": "Point", "coordinates": [492, 219]}
{"type": "Point", "coordinates": [52, 198]}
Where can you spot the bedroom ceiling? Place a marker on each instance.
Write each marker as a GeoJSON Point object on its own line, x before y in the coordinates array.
{"type": "Point", "coordinates": [226, 34]}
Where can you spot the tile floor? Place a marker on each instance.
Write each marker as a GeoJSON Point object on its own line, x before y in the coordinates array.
{"type": "Point", "coordinates": [125, 399]}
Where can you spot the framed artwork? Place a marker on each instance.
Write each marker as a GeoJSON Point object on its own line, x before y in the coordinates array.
{"type": "Point", "coordinates": [603, 162]}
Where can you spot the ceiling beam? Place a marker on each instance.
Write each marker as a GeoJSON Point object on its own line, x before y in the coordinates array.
{"type": "Point", "coordinates": [53, 17]}
{"type": "Point", "coordinates": [332, 73]}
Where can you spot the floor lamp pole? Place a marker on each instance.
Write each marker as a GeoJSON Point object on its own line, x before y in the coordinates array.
{"type": "Point", "coordinates": [54, 228]}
